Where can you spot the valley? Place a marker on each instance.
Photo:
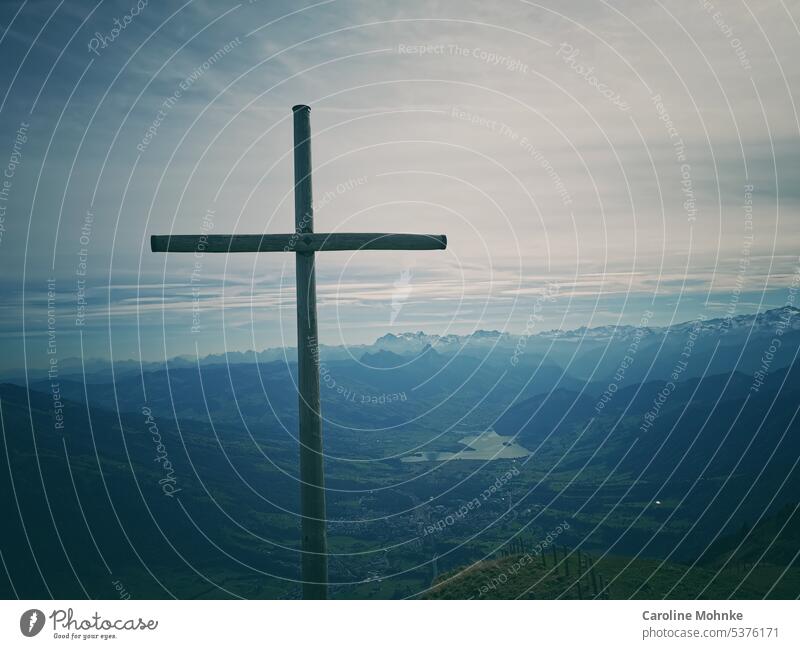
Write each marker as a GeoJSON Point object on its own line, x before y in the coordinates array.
{"type": "Point", "coordinates": [669, 490]}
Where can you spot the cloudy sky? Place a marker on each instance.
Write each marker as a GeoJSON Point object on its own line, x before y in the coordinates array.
{"type": "Point", "coordinates": [634, 155]}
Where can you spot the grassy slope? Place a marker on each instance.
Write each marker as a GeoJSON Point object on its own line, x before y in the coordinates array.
{"type": "Point", "coordinates": [521, 576]}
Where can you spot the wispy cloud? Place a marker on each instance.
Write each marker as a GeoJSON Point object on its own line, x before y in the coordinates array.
{"type": "Point", "coordinates": [492, 124]}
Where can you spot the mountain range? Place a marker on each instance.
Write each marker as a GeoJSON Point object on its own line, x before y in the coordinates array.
{"type": "Point", "coordinates": [657, 445]}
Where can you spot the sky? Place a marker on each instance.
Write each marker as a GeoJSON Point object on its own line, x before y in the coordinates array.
{"type": "Point", "coordinates": [589, 162]}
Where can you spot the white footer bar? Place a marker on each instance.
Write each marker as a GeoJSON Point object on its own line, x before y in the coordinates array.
{"type": "Point", "coordinates": [389, 625]}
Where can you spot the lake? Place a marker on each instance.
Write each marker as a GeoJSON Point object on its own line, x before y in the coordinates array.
{"type": "Point", "coordinates": [481, 446]}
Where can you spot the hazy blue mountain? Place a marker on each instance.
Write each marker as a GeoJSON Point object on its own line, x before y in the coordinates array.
{"type": "Point", "coordinates": [659, 467]}
{"type": "Point", "coordinates": [586, 352]}
{"type": "Point", "coordinates": [93, 495]}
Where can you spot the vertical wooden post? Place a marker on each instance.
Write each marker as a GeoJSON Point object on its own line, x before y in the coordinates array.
{"type": "Point", "coordinates": [312, 487]}
{"type": "Point", "coordinates": [593, 576]}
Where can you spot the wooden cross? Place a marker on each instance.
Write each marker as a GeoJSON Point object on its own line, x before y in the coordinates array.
{"type": "Point", "coordinates": [304, 242]}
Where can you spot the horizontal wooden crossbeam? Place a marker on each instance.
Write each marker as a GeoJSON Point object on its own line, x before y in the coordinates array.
{"type": "Point", "coordinates": [296, 242]}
